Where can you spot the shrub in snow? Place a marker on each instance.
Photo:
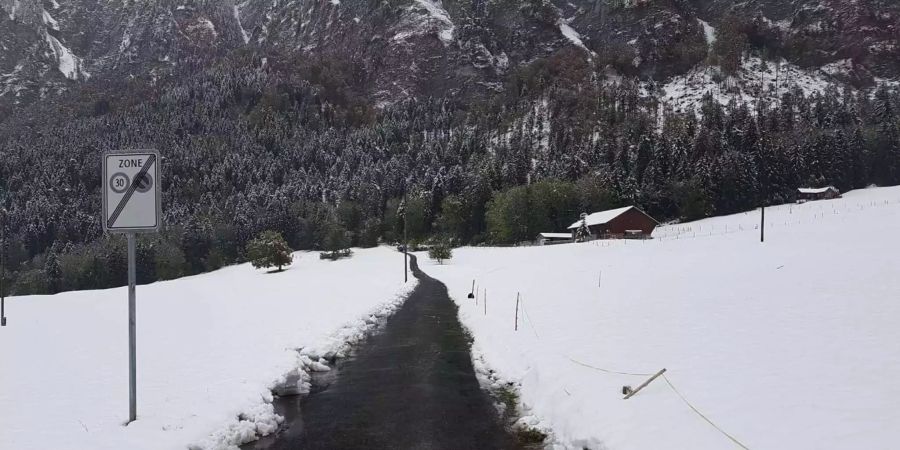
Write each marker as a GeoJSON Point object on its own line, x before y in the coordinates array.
{"type": "Point", "coordinates": [440, 251]}
{"type": "Point", "coordinates": [337, 243]}
{"type": "Point", "coordinates": [269, 250]}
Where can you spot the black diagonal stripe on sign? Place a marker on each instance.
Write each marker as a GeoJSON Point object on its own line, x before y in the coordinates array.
{"type": "Point", "coordinates": [130, 192]}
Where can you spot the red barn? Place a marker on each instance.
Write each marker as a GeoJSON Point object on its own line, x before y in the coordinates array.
{"type": "Point", "coordinates": [629, 222]}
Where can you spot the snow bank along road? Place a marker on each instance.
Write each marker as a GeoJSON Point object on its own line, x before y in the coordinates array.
{"type": "Point", "coordinates": [791, 344]}
{"type": "Point", "coordinates": [411, 386]}
{"type": "Point", "coordinates": [209, 349]}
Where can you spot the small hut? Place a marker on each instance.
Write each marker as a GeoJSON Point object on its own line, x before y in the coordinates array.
{"type": "Point", "coordinates": [812, 194]}
{"type": "Point", "coordinates": [553, 238]}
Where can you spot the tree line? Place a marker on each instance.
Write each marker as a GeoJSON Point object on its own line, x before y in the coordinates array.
{"type": "Point", "coordinates": [249, 147]}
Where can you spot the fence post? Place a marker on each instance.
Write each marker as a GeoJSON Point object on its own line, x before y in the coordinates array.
{"type": "Point", "coordinates": [517, 311]}
{"type": "Point", "coordinates": [644, 384]}
{"type": "Point", "coordinates": [485, 302]}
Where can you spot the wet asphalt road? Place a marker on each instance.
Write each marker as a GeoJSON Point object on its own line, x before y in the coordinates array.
{"type": "Point", "coordinates": [411, 386]}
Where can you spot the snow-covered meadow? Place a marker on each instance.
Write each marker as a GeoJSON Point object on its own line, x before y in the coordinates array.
{"type": "Point", "coordinates": [791, 344]}
{"type": "Point", "coordinates": [209, 349]}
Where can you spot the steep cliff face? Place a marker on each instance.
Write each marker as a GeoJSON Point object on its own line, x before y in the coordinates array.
{"type": "Point", "coordinates": [815, 33]}
{"type": "Point", "coordinates": [47, 46]}
{"type": "Point", "coordinates": [409, 48]}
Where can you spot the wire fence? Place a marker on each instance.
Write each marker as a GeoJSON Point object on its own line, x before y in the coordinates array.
{"type": "Point", "coordinates": [794, 216]}
{"type": "Point", "coordinates": [777, 218]}
{"type": "Point", "coordinates": [669, 383]}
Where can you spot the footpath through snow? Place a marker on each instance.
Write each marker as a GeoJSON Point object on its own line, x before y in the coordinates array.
{"type": "Point", "coordinates": [410, 386]}
{"type": "Point", "coordinates": [791, 344]}
{"type": "Point", "coordinates": [210, 347]}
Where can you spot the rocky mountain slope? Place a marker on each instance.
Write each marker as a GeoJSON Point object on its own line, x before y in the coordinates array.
{"type": "Point", "coordinates": [410, 48]}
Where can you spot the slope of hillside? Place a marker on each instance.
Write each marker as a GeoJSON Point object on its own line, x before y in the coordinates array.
{"type": "Point", "coordinates": [783, 345]}
{"type": "Point", "coordinates": [756, 82]}
{"type": "Point", "coordinates": [424, 48]}
{"type": "Point", "coordinates": [209, 349]}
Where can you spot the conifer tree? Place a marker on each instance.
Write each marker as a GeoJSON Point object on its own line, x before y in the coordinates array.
{"type": "Point", "coordinates": [440, 251]}
{"type": "Point", "coordinates": [583, 233]}
{"type": "Point", "coordinates": [269, 250]}
{"type": "Point", "coordinates": [53, 272]}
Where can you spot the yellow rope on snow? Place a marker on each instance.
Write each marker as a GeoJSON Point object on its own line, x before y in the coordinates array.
{"type": "Point", "coordinates": [686, 402]}
{"type": "Point", "coordinates": [606, 370]}
{"type": "Point", "coordinates": [671, 386]}
{"type": "Point", "coordinates": [530, 323]}
{"type": "Point", "coordinates": [533, 329]}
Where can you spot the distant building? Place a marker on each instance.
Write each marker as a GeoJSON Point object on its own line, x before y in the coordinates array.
{"type": "Point", "coordinates": [623, 223]}
{"type": "Point", "coordinates": [553, 238]}
{"type": "Point", "coordinates": [811, 194]}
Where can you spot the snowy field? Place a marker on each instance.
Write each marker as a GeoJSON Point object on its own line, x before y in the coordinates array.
{"type": "Point", "coordinates": [791, 344]}
{"type": "Point", "coordinates": [209, 349]}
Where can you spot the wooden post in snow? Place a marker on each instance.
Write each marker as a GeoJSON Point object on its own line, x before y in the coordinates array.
{"type": "Point", "coordinates": [658, 374]}
{"type": "Point", "coordinates": [517, 311]}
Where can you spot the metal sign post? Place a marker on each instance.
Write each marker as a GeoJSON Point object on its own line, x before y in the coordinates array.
{"type": "Point", "coordinates": [2, 266]}
{"type": "Point", "coordinates": [131, 204]}
{"type": "Point", "coordinates": [132, 330]}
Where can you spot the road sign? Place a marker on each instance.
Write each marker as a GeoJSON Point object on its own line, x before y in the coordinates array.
{"type": "Point", "coordinates": [131, 191]}
{"type": "Point", "coordinates": [131, 204]}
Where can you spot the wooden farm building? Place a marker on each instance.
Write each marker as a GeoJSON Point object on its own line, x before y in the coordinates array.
{"type": "Point", "coordinates": [623, 223]}
{"type": "Point", "coordinates": [811, 194]}
{"type": "Point", "coordinates": [553, 238]}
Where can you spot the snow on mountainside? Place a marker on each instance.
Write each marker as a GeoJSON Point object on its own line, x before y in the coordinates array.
{"type": "Point", "coordinates": [755, 81]}
{"type": "Point", "coordinates": [45, 47]}
{"type": "Point", "coordinates": [69, 64]}
{"type": "Point", "coordinates": [210, 347]}
{"type": "Point", "coordinates": [784, 345]}
{"type": "Point", "coordinates": [416, 48]}
{"type": "Point", "coordinates": [435, 12]}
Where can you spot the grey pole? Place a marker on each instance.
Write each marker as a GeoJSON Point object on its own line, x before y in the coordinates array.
{"type": "Point", "coordinates": [762, 225]}
{"type": "Point", "coordinates": [2, 267]}
{"type": "Point", "coordinates": [132, 344]}
{"type": "Point", "coordinates": [405, 254]}
{"type": "Point", "coordinates": [405, 241]}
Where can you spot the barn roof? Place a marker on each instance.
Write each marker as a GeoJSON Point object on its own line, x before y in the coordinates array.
{"type": "Point", "coordinates": [556, 235]}
{"type": "Point", "coordinates": [816, 190]}
{"type": "Point", "coordinates": [602, 217]}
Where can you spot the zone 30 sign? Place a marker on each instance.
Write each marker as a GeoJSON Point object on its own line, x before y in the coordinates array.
{"type": "Point", "coordinates": [131, 191]}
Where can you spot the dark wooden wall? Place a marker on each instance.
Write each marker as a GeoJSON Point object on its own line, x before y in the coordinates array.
{"type": "Point", "coordinates": [632, 219]}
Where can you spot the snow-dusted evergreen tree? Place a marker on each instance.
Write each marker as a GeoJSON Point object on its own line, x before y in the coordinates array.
{"type": "Point", "coordinates": [269, 250]}
{"type": "Point", "coordinates": [440, 251]}
{"type": "Point", "coordinates": [583, 233]}
{"type": "Point", "coordinates": [53, 272]}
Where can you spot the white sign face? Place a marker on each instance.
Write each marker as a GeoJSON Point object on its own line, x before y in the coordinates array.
{"type": "Point", "coordinates": [131, 191]}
